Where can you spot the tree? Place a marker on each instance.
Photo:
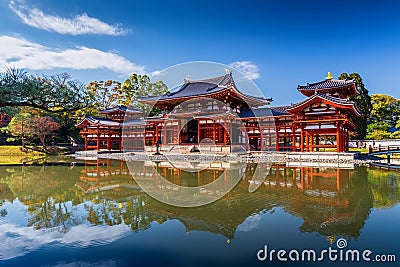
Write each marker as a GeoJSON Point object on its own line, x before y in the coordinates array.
{"type": "Point", "coordinates": [21, 126]}
{"type": "Point", "coordinates": [55, 93]}
{"type": "Point", "coordinates": [384, 115]}
{"type": "Point", "coordinates": [385, 109]}
{"type": "Point", "coordinates": [363, 102]}
{"type": "Point", "coordinates": [44, 127]}
{"type": "Point", "coordinates": [29, 124]}
{"type": "Point", "coordinates": [378, 131]}
{"type": "Point", "coordinates": [106, 94]}
{"type": "Point", "coordinates": [137, 86]}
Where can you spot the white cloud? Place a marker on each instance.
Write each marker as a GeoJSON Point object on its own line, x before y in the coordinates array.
{"type": "Point", "coordinates": [80, 24]}
{"type": "Point", "coordinates": [20, 53]}
{"type": "Point", "coordinates": [249, 69]}
{"type": "Point", "coordinates": [20, 240]}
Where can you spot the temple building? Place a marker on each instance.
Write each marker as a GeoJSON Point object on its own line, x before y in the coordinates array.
{"type": "Point", "coordinates": [214, 114]}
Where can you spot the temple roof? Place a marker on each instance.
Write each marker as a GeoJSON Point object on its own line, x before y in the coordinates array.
{"type": "Point", "coordinates": [336, 101]}
{"type": "Point", "coordinates": [264, 112]}
{"type": "Point", "coordinates": [97, 122]}
{"type": "Point", "coordinates": [120, 109]}
{"type": "Point", "coordinates": [329, 85]}
{"type": "Point", "coordinates": [204, 88]}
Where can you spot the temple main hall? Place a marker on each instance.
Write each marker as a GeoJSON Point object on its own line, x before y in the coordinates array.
{"type": "Point", "coordinates": [215, 113]}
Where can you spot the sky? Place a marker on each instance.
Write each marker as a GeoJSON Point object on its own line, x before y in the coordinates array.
{"type": "Point", "coordinates": [277, 44]}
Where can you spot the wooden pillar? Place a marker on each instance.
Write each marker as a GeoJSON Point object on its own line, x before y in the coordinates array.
{"type": "Point", "coordinates": [261, 139]}
{"type": "Point", "coordinates": [198, 131]}
{"type": "Point", "coordinates": [230, 132]}
{"type": "Point", "coordinates": [301, 139]}
{"type": "Point", "coordinates": [246, 138]}
{"type": "Point", "coordinates": [338, 139]}
{"type": "Point", "coordinates": [307, 142]}
{"type": "Point", "coordinates": [98, 139]}
{"type": "Point", "coordinates": [86, 143]}
{"type": "Point", "coordinates": [276, 138]}
{"type": "Point", "coordinates": [293, 139]}
{"type": "Point", "coordinates": [214, 129]}
{"type": "Point", "coordinates": [157, 133]}
{"type": "Point", "coordinates": [179, 132]}
{"type": "Point", "coordinates": [311, 142]}
{"type": "Point", "coordinates": [109, 142]}
{"type": "Point", "coordinates": [164, 134]}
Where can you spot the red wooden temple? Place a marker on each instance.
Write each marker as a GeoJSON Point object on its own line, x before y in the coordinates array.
{"type": "Point", "coordinates": [214, 111]}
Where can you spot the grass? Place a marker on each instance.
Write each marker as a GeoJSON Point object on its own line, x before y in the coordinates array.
{"type": "Point", "coordinates": [362, 150]}
{"type": "Point", "coordinates": [17, 154]}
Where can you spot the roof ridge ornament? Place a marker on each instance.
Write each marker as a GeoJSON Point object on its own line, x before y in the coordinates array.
{"type": "Point", "coordinates": [187, 79]}
{"type": "Point", "coordinates": [329, 76]}
{"type": "Point", "coordinates": [228, 71]}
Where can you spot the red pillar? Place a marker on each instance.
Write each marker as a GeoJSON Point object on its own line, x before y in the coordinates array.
{"type": "Point", "coordinates": [86, 142]}
{"type": "Point", "coordinates": [98, 139]}
{"type": "Point", "coordinates": [214, 132]}
{"type": "Point", "coordinates": [276, 139]}
{"type": "Point", "coordinates": [293, 139]}
{"type": "Point", "coordinates": [302, 139]}
{"type": "Point", "coordinates": [338, 139]}
{"type": "Point", "coordinates": [164, 133]}
{"type": "Point", "coordinates": [157, 133]}
{"type": "Point", "coordinates": [198, 131]}
{"type": "Point", "coordinates": [307, 142]}
{"type": "Point", "coordinates": [246, 138]}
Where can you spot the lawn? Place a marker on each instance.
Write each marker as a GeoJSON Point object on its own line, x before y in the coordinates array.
{"type": "Point", "coordinates": [17, 154]}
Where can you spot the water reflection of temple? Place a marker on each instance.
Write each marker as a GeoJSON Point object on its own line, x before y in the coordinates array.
{"type": "Point", "coordinates": [111, 178]}
{"type": "Point", "coordinates": [330, 201]}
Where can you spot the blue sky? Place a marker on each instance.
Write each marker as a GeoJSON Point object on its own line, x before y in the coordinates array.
{"type": "Point", "coordinates": [279, 44]}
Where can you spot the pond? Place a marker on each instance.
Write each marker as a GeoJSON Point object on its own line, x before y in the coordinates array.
{"type": "Point", "coordinates": [95, 214]}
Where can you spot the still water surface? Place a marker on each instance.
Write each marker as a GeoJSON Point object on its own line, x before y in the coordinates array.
{"type": "Point", "coordinates": [96, 215]}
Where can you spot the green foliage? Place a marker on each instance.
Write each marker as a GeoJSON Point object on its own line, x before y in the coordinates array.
{"type": "Point", "coordinates": [20, 126]}
{"type": "Point", "coordinates": [385, 109]}
{"type": "Point", "coordinates": [137, 86]}
{"type": "Point", "coordinates": [363, 102]}
{"type": "Point", "coordinates": [55, 93]}
{"type": "Point", "coordinates": [29, 124]}
{"type": "Point", "coordinates": [384, 116]}
{"type": "Point", "coordinates": [105, 94]}
{"type": "Point", "coordinates": [378, 131]}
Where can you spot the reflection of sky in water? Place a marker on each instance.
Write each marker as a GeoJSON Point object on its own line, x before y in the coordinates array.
{"type": "Point", "coordinates": [18, 239]}
{"type": "Point", "coordinates": [229, 232]}
{"type": "Point", "coordinates": [250, 223]}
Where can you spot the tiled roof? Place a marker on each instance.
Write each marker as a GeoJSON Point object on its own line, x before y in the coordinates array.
{"type": "Point", "coordinates": [264, 112]}
{"type": "Point", "coordinates": [329, 98]}
{"type": "Point", "coordinates": [120, 108]}
{"type": "Point", "coordinates": [97, 121]}
{"type": "Point", "coordinates": [108, 122]}
{"type": "Point", "coordinates": [280, 111]}
{"type": "Point", "coordinates": [134, 122]}
{"type": "Point", "coordinates": [226, 113]}
{"type": "Point", "coordinates": [327, 84]}
{"type": "Point", "coordinates": [202, 88]}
